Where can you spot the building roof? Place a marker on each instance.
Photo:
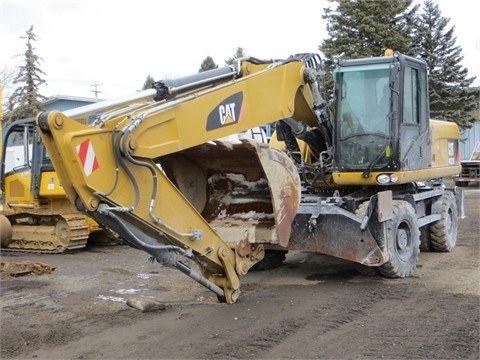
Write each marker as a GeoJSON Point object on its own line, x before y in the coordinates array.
{"type": "Point", "coordinates": [56, 98]}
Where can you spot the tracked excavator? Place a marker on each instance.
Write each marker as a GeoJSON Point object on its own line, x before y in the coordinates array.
{"type": "Point", "coordinates": [364, 186]}
{"type": "Point", "coordinates": [35, 213]}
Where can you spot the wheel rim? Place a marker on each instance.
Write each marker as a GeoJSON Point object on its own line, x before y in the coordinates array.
{"type": "Point", "coordinates": [404, 240]}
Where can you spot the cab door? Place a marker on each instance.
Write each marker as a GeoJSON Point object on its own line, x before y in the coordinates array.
{"type": "Point", "coordinates": [414, 132]}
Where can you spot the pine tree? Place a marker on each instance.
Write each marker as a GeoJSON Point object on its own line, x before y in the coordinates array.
{"type": "Point", "coordinates": [7, 74]}
{"type": "Point", "coordinates": [1, 109]}
{"type": "Point", "coordinates": [365, 28]}
{"type": "Point", "coordinates": [25, 100]}
{"type": "Point", "coordinates": [450, 96]}
{"type": "Point", "coordinates": [207, 64]}
{"type": "Point", "coordinates": [148, 83]}
{"type": "Point", "coordinates": [239, 54]}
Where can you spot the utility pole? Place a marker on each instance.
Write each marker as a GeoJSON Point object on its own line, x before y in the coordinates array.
{"type": "Point", "coordinates": [96, 91]}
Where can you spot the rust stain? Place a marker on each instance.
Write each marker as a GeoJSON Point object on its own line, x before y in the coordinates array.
{"type": "Point", "coordinates": [288, 207]}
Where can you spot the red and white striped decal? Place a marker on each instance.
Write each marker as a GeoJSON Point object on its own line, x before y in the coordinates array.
{"type": "Point", "coordinates": [87, 157]}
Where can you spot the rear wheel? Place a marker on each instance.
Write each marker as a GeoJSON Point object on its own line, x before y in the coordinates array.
{"type": "Point", "coordinates": [425, 239]}
{"type": "Point", "coordinates": [402, 241]}
{"type": "Point", "coordinates": [443, 233]}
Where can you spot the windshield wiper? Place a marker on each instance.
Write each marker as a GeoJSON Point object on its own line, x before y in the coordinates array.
{"type": "Point", "coordinates": [368, 170]}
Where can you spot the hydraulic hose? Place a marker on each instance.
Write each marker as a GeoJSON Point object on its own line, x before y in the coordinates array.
{"type": "Point", "coordinates": [165, 255]}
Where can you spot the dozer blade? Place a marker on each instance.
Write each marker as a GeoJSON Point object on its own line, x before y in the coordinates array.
{"type": "Point", "coordinates": [247, 191]}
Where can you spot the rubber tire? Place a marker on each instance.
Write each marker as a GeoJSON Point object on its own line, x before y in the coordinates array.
{"type": "Point", "coordinates": [272, 260]}
{"type": "Point", "coordinates": [402, 241]}
{"type": "Point", "coordinates": [443, 233]}
{"type": "Point", "coordinates": [425, 239]}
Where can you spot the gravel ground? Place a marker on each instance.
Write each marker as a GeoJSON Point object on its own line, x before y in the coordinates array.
{"type": "Point", "coordinates": [311, 307]}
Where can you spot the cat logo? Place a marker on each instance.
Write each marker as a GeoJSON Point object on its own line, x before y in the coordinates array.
{"type": "Point", "coordinates": [228, 112]}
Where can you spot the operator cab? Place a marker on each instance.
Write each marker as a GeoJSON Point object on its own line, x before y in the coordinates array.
{"type": "Point", "coordinates": [24, 157]}
{"type": "Point", "coordinates": [381, 116]}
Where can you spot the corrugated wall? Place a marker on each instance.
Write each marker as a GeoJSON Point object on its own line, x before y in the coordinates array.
{"type": "Point", "coordinates": [469, 137]}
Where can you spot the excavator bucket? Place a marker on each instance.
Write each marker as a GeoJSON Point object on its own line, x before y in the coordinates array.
{"type": "Point", "coordinates": [247, 191]}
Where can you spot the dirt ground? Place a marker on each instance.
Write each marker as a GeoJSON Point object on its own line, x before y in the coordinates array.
{"type": "Point", "coordinates": [313, 307]}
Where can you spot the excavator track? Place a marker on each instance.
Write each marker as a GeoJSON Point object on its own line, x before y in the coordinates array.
{"type": "Point", "coordinates": [62, 232]}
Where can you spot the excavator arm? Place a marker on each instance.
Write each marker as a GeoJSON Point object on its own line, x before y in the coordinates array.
{"type": "Point", "coordinates": [156, 174]}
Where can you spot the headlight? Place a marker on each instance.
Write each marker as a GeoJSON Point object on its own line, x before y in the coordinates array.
{"type": "Point", "coordinates": [393, 178]}
{"type": "Point", "coordinates": [385, 179]}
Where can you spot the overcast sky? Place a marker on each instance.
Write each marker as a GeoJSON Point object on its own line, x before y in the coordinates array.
{"type": "Point", "coordinates": [118, 43]}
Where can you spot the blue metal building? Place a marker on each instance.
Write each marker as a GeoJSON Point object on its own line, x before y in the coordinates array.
{"type": "Point", "coordinates": [64, 102]}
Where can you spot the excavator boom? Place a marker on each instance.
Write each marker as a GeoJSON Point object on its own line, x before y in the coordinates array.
{"type": "Point", "coordinates": [154, 172]}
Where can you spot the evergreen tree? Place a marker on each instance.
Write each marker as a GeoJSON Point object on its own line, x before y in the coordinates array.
{"type": "Point", "coordinates": [207, 64]}
{"type": "Point", "coordinates": [148, 83]}
{"type": "Point", "coordinates": [365, 28]}
{"type": "Point", "coordinates": [238, 55]}
{"type": "Point", "coordinates": [7, 74]}
{"type": "Point", "coordinates": [1, 110]}
{"type": "Point", "coordinates": [25, 100]}
{"type": "Point", "coordinates": [450, 96]}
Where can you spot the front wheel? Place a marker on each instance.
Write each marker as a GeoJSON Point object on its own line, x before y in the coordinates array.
{"type": "Point", "coordinates": [402, 239]}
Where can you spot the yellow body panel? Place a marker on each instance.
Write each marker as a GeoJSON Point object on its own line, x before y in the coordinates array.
{"type": "Point", "coordinates": [444, 154]}
{"type": "Point", "coordinates": [52, 196]}
{"type": "Point", "coordinates": [50, 186]}
{"type": "Point", "coordinates": [17, 187]}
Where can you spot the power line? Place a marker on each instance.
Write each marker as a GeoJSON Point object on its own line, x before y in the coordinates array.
{"type": "Point", "coordinates": [96, 91]}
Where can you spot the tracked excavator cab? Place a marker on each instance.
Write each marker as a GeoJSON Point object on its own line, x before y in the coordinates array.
{"type": "Point", "coordinates": [34, 206]}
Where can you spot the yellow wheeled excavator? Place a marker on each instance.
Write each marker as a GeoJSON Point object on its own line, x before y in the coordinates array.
{"type": "Point", "coordinates": [364, 186]}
